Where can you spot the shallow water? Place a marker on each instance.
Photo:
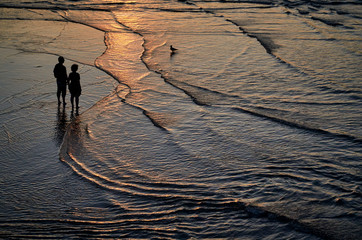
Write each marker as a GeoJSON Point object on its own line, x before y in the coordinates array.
{"type": "Point", "coordinates": [251, 129]}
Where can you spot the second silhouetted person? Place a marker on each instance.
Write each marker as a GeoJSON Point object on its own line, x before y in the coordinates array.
{"type": "Point", "coordinates": [74, 86]}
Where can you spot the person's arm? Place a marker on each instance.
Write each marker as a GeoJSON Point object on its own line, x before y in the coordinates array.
{"type": "Point", "coordinates": [66, 76]}
{"type": "Point", "coordinates": [80, 86]}
{"type": "Point", "coordinates": [55, 71]}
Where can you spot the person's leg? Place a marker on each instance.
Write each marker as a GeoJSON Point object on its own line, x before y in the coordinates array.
{"type": "Point", "coordinates": [64, 92]}
{"type": "Point", "coordinates": [77, 101]}
{"type": "Point", "coordinates": [58, 93]}
{"type": "Point", "coordinates": [72, 101]}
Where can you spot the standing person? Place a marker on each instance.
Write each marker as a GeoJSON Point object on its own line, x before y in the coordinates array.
{"type": "Point", "coordinates": [60, 73]}
{"type": "Point", "coordinates": [74, 86]}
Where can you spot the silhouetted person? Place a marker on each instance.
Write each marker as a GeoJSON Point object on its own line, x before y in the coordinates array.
{"type": "Point", "coordinates": [74, 86]}
{"type": "Point", "coordinates": [60, 73]}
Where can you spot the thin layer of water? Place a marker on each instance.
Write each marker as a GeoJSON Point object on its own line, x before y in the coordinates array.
{"type": "Point", "coordinates": [208, 142]}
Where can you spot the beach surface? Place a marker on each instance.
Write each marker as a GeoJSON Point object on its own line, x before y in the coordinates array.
{"type": "Point", "coordinates": [250, 130]}
{"type": "Point", "coordinates": [33, 125]}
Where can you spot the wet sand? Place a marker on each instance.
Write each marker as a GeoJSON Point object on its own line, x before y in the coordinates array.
{"type": "Point", "coordinates": [32, 124]}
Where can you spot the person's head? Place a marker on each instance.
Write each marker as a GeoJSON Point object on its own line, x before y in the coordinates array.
{"type": "Point", "coordinates": [60, 59]}
{"type": "Point", "coordinates": [74, 67]}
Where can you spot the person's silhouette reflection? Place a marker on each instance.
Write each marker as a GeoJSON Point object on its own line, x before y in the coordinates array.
{"type": "Point", "coordinates": [61, 125]}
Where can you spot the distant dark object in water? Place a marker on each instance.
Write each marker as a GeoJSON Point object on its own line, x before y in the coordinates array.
{"type": "Point", "coordinates": [173, 50]}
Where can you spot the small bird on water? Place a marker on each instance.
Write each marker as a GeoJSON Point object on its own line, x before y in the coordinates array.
{"type": "Point", "coordinates": [173, 49]}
